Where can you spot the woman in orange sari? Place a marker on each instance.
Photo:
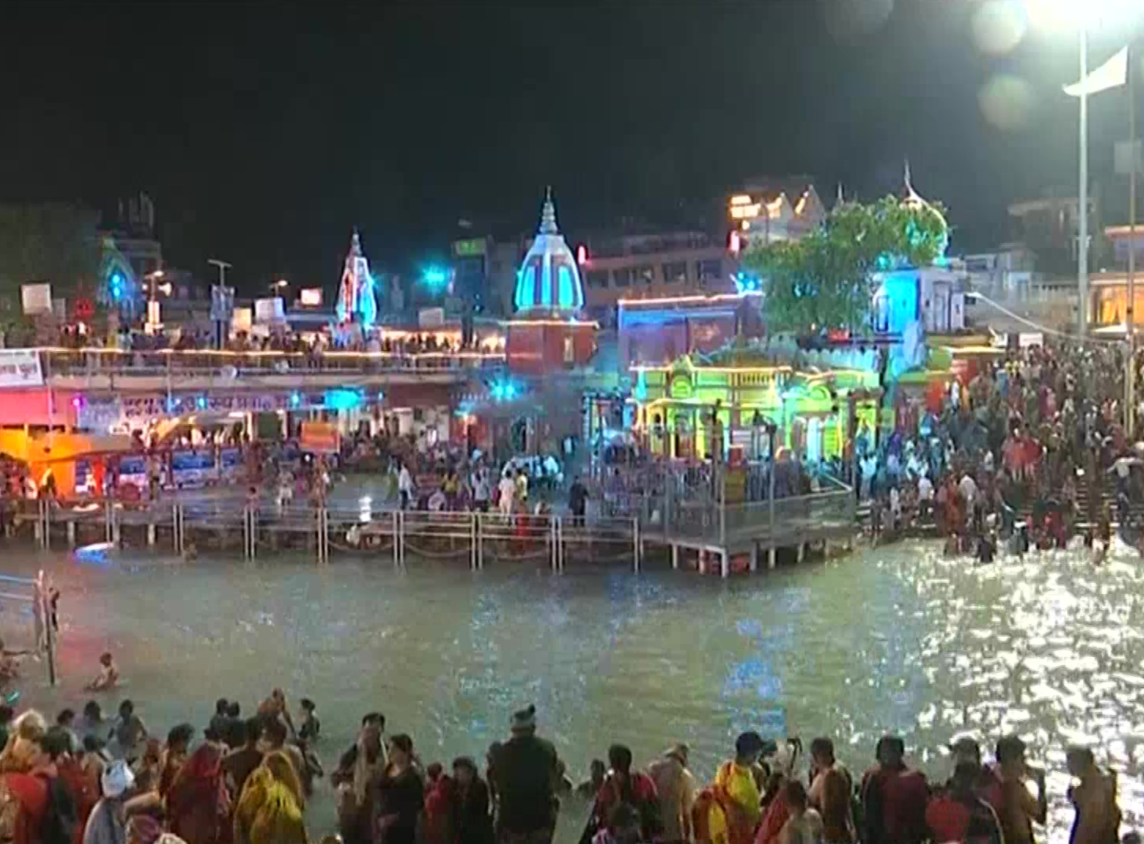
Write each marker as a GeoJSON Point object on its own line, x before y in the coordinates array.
{"type": "Point", "coordinates": [197, 803]}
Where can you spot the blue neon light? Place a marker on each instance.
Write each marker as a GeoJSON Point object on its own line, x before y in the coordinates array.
{"type": "Point", "coordinates": [342, 399]}
{"type": "Point", "coordinates": [295, 399]}
{"type": "Point", "coordinates": [116, 286]}
{"type": "Point", "coordinates": [566, 296]}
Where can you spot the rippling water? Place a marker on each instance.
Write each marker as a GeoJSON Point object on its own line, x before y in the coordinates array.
{"type": "Point", "coordinates": [887, 639]}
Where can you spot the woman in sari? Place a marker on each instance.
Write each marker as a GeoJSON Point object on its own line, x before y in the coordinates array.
{"type": "Point", "coordinates": [23, 742]}
{"type": "Point", "coordinates": [270, 808]}
{"type": "Point", "coordinates": [197, 802]}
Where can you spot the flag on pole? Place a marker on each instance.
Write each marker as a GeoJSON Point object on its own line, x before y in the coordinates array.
{"type": "Point", "coordinates": [1112, 74]}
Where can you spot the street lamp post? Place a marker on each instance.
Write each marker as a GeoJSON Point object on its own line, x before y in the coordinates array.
{"type": "Point", "coordinates": [1082, 198]}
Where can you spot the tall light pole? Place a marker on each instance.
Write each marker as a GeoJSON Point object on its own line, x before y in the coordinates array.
{"type": "Point", "coordinates": [1082, 196]}
{"type": "Point", "coordinates": [216, 314]}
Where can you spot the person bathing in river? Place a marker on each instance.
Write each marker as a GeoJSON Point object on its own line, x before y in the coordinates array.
{"type": "Point", "coordinates": [108, 676]}
{"type": "Point", "coordinates": [274, 709]}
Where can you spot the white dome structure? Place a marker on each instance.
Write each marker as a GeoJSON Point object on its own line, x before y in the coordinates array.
{"type": "Point", "coordinates": [548, 282]}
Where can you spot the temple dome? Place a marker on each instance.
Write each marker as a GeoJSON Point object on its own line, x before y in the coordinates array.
{"type": "Point", "coordinates": [911, 199]}
{"type": "Point", "coordinates": [548, 282]}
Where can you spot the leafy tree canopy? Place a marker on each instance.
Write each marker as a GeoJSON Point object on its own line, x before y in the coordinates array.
{"type": "Point", "coordinates": [825, 280]}
{"type": "Point", "coordinates": [51, 242]}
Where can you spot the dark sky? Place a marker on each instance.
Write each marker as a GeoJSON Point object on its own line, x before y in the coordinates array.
{"type": "Point", "coordinates": [264, 131]}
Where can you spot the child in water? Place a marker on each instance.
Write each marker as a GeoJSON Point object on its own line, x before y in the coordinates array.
{"type": "Point", "coordinates": [308, 725]}
{"type": "Point", "coordinates": [108, 675]}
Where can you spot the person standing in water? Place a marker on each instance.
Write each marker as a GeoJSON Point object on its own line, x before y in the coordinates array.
{"type": "Point", "coordinates": [1094, 799]}
{"type": "Point", "coordinates": [525, 768]}
{"type": "Point", "coordinates": [108, 676]}
{"type": "Point", "coordinates": [127, 731]}
{"type": "Point", "coordinates": [830, 790]}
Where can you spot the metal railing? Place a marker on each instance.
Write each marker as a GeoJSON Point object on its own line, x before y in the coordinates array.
{"type": "Point", "coordinates": [88, 362]}
{"type": "Point", "coordinates": [399, 536]}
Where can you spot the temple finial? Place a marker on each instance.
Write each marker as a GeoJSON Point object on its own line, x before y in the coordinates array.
{"type": "Point", "coordinates": [908, 181]}
{"type": "Point", "coordinates": [548, 214]}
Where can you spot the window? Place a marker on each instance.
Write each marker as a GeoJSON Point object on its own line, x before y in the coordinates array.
{"type": "Point", "coordinates": [645, 273]}
{"type": "Point", "coordinates": [623, 276]}
{"type": "Point", "coordinates": [675, 271]}
{"type": "Point", "coordinates": [882, 313]}
{"type": "Point", "coordinates": [569, 350]}
{"type": "Point", "coordinates": [709, 269]}
{"type": "Point", "coordinates": [597, 278]}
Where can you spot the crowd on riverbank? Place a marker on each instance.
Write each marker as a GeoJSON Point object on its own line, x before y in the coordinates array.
{"type": "Point", "coordinates": [1028, 441]}
{"type": "Point", "coordinates": [84, 780]}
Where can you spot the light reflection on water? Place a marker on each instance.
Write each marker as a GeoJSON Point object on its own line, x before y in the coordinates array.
{"type": "Point", "coordinates": [888, 639]}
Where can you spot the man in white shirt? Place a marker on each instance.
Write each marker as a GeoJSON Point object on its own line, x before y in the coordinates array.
{"type": "Point", "coordinates": [405, 486]}
{"type": "Point", "coordinates": [507, 488]}
{"type": "Point", "coordinates": [968, 488]}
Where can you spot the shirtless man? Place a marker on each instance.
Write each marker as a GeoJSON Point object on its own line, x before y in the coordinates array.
{"type": "Point", "coordinates": [274, 709]}
{"type": "Point", "coordinates": [108, 675]}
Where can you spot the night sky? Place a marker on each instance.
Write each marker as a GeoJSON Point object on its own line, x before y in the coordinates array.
{"type": "Point", "coordinates": [264, 132]}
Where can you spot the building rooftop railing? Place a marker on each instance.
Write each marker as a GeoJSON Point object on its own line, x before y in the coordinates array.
{"type": "Point", "coordinates": [82, 362]}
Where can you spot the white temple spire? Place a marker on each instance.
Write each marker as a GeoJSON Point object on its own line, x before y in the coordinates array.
{"type": "Point", "coordinates": [548, 214]}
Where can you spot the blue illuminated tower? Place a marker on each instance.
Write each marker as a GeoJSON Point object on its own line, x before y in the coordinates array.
{"type": "Point", "coordinates": [548, 282]}
{"type": "Point", "coordinates": [356, 296]}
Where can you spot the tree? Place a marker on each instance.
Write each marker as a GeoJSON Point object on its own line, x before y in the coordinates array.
{"type": "Point", "coordinates": [826, 279]}
{"type": "Point", "coordinates": [52, 242]}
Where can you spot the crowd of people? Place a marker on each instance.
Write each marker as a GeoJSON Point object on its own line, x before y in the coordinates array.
{"type": "Point", "coordinates": [87, 780]}
{"type": "Point", "coordinates": [1012, 454]}
{"type": "Point", "coordinates": [277, 340]}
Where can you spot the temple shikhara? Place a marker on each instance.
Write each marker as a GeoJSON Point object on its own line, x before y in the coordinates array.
{"type": "Point", "coordinates": [357, 299]}
{"type": "Point", "coordinates": [546, 334]}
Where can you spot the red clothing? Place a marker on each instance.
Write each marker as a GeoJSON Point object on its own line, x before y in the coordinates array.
{"type": "Point", "coordinates": [947, 819]}
{"type": "Point", "coordinates": [83, 789]}
{"type": "Point", "coordinates": [773, 821]}
{"type": "Point", "coordinates": [898, 798]}
{"type": "Point", "coordinates": [439, 810]}
{"type": "Point", "coordinates": [638, 790]}
{"type": "Point", "coordinates": [197, 802]}
{"type": "Point", "coordinates": [32, 793]}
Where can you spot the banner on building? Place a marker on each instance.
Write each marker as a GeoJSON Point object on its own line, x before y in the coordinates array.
{"type": "Point", "coordinates": [20, 368]}
{"type": "Point", "coordinates": [269, 311]}
{"type": "Point", "coordinates": [36, 298]}
{"type": "Point", "coordinates": [320, 438]}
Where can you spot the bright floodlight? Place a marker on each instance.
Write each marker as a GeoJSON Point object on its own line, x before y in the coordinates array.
{"type": "Point", "coordinates": [1068, 15]}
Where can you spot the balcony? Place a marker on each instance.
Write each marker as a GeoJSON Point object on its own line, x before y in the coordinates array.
{"type": "Point", "coordinates": [114, 370]}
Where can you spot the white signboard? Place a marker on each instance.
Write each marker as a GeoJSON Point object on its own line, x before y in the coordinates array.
{"type": "Point", "coordinates": [269, 310]}
{"type": "Point", "coordinates": [20, 368]}
{"type": "Point", "coordinates": [431, 317]}
{"type": "Point", "coordinates": [36, 298]}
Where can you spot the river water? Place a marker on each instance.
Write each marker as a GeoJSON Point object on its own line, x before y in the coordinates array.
{"type": "Point", "coordinates": [888, 639]}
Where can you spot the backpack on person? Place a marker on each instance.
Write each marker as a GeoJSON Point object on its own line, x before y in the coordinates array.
{"type": "Point", "coordinates": [61, 819]}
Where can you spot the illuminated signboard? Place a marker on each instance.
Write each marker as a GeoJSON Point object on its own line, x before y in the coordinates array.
{"type": "Point", "coordinates": [745, 212]}
{"type": "Point", "coordinates": [469, 248]}
{"type": "Point", "coordinates": [310, 297]}
{"type": "Point", "coordinates": [680, 388]}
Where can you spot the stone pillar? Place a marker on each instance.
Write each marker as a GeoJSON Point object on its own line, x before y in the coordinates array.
{"type": "Point", "coordinates": [771, 557]}
{"type": "Point", "coordinates": [754, 557]}
{"type": "Point", "coordinates": [801, 552]}
{"type": "Point", "coordinates": [724, 564]}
